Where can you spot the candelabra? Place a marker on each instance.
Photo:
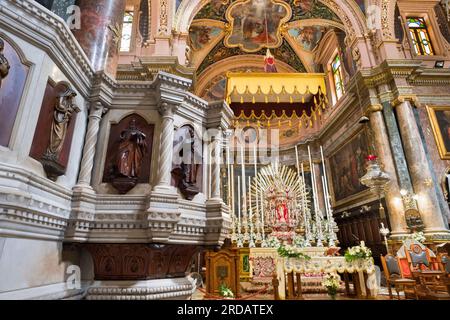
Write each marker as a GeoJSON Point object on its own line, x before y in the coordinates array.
{"type": "Point", "coordinates": [375, 179]}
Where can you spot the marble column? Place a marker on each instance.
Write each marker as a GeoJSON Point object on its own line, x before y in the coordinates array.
{"type": "Point", "coordinates": [215, 171]}
{"type": "Point", "coordinates": [87, 163]}
{"type": "Point", "coordinates": [383, 150]}
{"type": "Point", "coordinates": [99, 34]}
{"type": "Point", "coordinates": [166, 146]}
{"type": "Point", "coordinates": [420, 171]}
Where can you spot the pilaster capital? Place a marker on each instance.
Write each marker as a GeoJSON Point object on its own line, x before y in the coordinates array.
{"type": "Point", "coordinates": [97, 110]}
{"type": "Point", "coordinates": [406, 97]}
{"type": "Point", "coordinates": [374, 108]}
{"type": "Point", "coordinates": [168, 110]}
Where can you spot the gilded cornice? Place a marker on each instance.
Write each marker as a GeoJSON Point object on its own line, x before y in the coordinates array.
{"type": "Point", "coordinates": [374, 108]}
{"type": "Point", "coordinates": [147, 67]}
{"type": "Point", "coordinates": [402, 98]}
{"type": "Point", "coordinates": [411, 70]}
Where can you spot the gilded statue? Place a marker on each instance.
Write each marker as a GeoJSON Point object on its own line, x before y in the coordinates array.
{"type": "Point", "coordinates": [132, 149]}
{"type": "Point", "coordinates": [4, 64]}
{"type": "Point", "coordinates": [64, 110]}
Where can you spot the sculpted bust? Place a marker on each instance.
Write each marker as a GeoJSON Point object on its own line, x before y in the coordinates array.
{"type": "Point", "coordinates": [4, 64]}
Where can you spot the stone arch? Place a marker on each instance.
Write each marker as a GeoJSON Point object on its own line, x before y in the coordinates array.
{"type": "Point", "coordinates": [347, 10]}
{"type": "Point", "coordinates": [219, 68]}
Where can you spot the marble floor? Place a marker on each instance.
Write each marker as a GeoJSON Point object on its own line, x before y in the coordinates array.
{"type": "Point", "coordinates": [382, 295]}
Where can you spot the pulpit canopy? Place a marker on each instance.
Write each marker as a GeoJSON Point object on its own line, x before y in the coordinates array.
{"type": "Point", "coordinates": [264, 96]}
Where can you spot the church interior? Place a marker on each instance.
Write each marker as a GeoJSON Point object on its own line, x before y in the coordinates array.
{"type": "Point", "coordinates": [224, 149]}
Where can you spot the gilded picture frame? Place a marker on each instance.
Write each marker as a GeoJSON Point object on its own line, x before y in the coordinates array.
{"type": "Point", "coordinates": [440, 124]}
{"type": "Point", "coordinates": [258, 30]}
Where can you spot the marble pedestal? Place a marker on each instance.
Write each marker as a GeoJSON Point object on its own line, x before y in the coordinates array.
{"type": "Point", "coordinates": [160, 289]}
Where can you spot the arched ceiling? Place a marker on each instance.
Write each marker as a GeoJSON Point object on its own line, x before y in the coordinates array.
{"type": "Point", "coordinates": [292, 29]}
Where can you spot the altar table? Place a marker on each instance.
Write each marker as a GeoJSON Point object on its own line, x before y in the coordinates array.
{"type": "Point", "coordinates": [264, 262]}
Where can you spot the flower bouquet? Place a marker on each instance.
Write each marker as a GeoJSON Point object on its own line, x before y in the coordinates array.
{"type": "Point", "coordinates": [331, 282]}
{"type": "Point", "coordinates": [288, 251]}
{"type": "Point", "coordinates": [226, 292]}
{"type": "Point", "coordinates": [417, 236]}
{"type": "Point", "coordinates": [357, 252]}
{"type": "Point", "coordinates": [273, 242]}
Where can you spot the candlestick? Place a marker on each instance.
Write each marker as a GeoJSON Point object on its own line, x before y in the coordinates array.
{"type": "Point", "coordinates": [252, 242]}
{"type": "Point", "coordinates": [239, 204]}
{"type": "Point", "coordinates": [262, 212]}
{"type": "Point", "coordinates": [229, 176]}
{"type": "Point", "coordinates": [296, 159]}
{"type": "Point", "coordinates": [256, 159]}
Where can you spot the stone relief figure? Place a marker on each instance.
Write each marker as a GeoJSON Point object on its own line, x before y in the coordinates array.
{"type": "Point", "coordinates": [64, 109]}
{"type": "Point", "coordinates": [129, 158]}
{"type": "Point", "coordinates": [185, 174]}
{"type": "Point", "coordinates": [62, 114]}
{"type": "Point", "coordinates": [4, 64]}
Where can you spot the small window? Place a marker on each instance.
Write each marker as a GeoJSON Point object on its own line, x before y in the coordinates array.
{"type": "Point", "coordinates": [420, 37]}
{"type": "Point", "coordinates": [336, 68]}
{"type": "Point", "coordinates": [127, 31]}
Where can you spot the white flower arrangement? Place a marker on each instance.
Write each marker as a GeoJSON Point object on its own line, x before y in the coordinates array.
{"type": "Point", "coordinates": [299, 242]}
{"type": "Point", "coordinates": [273, 242]}
{"type": "Point", "coordinates": [289, 251]}
{"type": "Point", "coordinates": [331, 282]}
{"type": "Point", "coordinates": [417, 236]}
{"type": "Point", "coordinates": [225, 292]}
{"type": "Point", "coordinates": [358, 252]}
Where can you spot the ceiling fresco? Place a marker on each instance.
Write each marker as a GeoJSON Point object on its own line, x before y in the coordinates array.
{"type": "Point", "coordinates": [292, 29]}
{"type": "Point", "coordinates": [255, 24]}
{"type": "Point", "coordinates": [283, 53]}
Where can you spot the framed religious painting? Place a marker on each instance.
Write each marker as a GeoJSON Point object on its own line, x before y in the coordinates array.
{"type": "Point", "coordinates": [347, 165]}
{"type": "Point", "coordinates": [256, 24]}
{"type": "Point", "coordinates": [440, 123]}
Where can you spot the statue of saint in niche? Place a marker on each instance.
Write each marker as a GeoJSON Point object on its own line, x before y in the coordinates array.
{"type": "Point", "coordinates": [4, 64]}
{"type": "Point", "coordinates": [129, 158]}
{"type": "Point", "coordinates": [64, 109]}
{"type": "Point", "coordinates": [62, 114]}
{"type": "Point", "coordinates": [185, 174]}
{"type": "Point", "coordinates": [132, 149]}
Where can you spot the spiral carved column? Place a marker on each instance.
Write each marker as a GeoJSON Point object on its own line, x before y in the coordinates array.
{"type": "Point", "coordinates": [215, 179]}
{"type": "Point", "coordinates": [87, 163]}
{"type": "Point", "coordinates": [166, 145]}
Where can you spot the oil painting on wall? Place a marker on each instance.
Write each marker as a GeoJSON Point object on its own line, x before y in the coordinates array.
{"type": "Point", "coordinates": [255, 24]}
{"type": "Point", "coordinates": [348, 166]}
{"type": "Point", "coordinates": [440, 123]}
